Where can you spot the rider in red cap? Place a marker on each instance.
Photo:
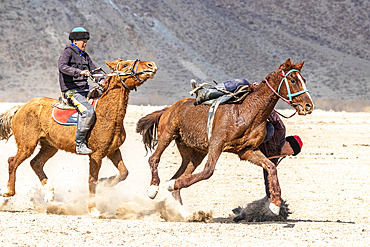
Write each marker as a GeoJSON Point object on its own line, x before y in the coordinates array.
{"type": "Point", "coordinates": [276, 145]}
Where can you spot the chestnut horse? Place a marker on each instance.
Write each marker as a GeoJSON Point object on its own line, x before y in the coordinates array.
{"type": "Point", "coordinates": [32, 124]}
{"type": "Point", "coordinates": [237, 128]}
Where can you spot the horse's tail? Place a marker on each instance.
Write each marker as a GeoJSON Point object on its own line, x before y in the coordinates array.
{"type": "Point", "coordinates": [6, 122]}
{"type": "Point", "coordinates": [147, 126]}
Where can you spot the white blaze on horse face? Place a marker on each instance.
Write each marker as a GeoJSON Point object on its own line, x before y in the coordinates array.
{"type": "Point", "coordinates": [301, 80]}
{"type": "Point", "coordinates": [304, 85]}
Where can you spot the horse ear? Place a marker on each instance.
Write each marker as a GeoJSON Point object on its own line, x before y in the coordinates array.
{"type": "Point", "coordinates": [112, 65]}
{"type": "Point", "coordinates": [286, 65]}
{"type": "Point", "coordinates": [299, 66]}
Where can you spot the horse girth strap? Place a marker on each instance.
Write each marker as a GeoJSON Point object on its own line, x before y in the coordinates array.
{"type": "Point", "coordinates": [229, 97]}
{"type": "Point", "coordinates": [214, 106]}
{"type": "Point", "coordinates": [211, 114]}
{"type": "Point", "coordinates": [216, 102]}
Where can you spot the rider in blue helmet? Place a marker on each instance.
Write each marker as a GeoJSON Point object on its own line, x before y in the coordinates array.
{"type": "Point", "coordinates": [74, 69]}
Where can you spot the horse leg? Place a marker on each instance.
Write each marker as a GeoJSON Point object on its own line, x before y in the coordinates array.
{"type": "Point", "coordinates": [191, 159]}
{"type": "Point", "coordinates": [186, 180]}
{"type": "Point", "coordinates": [116, 158]}
{"type": "Point", "coordinates": [257, 157]}
{"type": "Point", "coordinates": [37, 163]}
{"type": "Point", "coordinates": [163, 142]}
{"type": "Point", "coordinates": [22, 154]}
{"type": "Point", "coordinates": [95, 165]}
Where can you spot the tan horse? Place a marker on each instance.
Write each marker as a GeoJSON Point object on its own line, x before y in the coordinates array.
{"type": "Point", "coordinates": [237, 128]}
{"type": "Point", "coordinates": [32, 124]}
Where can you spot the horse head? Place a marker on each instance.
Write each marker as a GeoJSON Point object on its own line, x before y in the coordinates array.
{"type": "Point", "coordinates": [292, 87]}
{"type": "Point", "coordinates": [132, 73]}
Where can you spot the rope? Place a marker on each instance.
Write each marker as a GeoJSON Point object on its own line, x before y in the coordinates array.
{"type": "Point", "coordinates": [285, 116]}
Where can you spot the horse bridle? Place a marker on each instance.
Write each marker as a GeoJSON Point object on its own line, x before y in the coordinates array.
{"type": "Point", "coordinates": [289, 95]}
{"type": "Point", "coordinates": [131, 71]}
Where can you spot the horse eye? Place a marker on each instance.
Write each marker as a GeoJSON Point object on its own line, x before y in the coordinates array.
{"type": "Point", "coordinates": [125, 65]}
{"type": "Point", "coordinates": [293, 81]}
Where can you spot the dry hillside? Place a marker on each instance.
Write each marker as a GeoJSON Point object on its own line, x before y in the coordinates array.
{"type": "Point", "coordinates": [206, 40]}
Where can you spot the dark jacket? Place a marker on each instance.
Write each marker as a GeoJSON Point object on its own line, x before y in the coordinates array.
{"type": "Point", "coordinates": [273, 146]}
{"type": "Point", "coordinates": [70, 64]}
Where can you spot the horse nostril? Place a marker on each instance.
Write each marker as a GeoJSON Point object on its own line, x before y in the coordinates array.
{"type": "Point", "coordinates": [308, 107]}
{"type": "Point", "coordinates": [150, 65]}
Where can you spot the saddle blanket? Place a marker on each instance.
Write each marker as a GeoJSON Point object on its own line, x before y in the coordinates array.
{"type": "Point", "coordinates": [68, 116]}
{"type": "Point", "coordinates": [231, 91]}
{"type": "Point", "coordinates": [207, 93]}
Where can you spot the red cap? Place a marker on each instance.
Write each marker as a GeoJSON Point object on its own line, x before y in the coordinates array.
{"type": "Point", "coordinates": [296, 143]}
{"type": "Point", "coordinates": [298, 139]}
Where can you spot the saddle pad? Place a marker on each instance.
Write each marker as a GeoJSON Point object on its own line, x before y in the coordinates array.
{"type": "Point", "coordinates": [233, 84]}
{"type": "Point", "coordinates": [68, 116]}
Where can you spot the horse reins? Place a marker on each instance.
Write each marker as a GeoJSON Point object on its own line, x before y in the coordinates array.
{"type": "Point", "coordinates": [132, 71]}
{"type": "Point", "coordinates": [279, 157]}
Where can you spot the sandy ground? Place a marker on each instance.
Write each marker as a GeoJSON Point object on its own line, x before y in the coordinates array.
{"type": "Point", "coordinates": [327, 188]}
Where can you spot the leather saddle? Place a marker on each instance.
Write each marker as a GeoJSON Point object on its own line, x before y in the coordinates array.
{"type": "Point", "coordinates": [65, 114]}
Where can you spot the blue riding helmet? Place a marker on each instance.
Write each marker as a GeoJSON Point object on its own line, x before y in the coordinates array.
{"type": "Point", "coordinates": [78, 33]}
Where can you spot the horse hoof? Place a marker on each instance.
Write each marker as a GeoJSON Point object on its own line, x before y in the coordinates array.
{"type": "Point", "coordinates": [49, 193]}
{"type": "Point", "coordinates": [274, 209]}
{"type": "Point", "coordinates": [49, 197]}
{"type": "Point", "coordinates": [152, 191]}
{"type": "Point", "coordinates": [6, 194]}
{"type": "Point", "coordinates": [94, 212]}
{"type": "Point", "coordinates": [183, 212]}
{"type": "Point", "coordinates": [171, 185]}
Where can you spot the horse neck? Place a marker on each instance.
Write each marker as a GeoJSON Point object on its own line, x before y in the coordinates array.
{"type": "Point", "coordinates": [263, 100]}
{"type": "Point", "coordinates": [114, 102]}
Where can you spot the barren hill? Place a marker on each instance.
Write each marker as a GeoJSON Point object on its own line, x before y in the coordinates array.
{"type": "Point", "coordinates": [206, 40]}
